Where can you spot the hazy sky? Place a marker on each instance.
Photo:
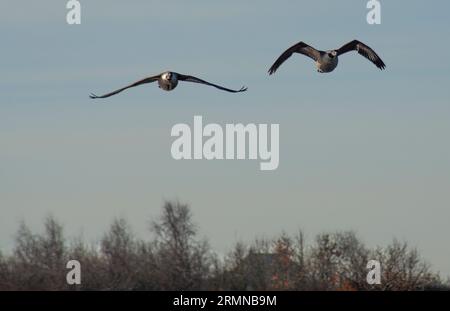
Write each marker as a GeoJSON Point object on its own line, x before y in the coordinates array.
{"type": "Point", "coordinates": [360, 149]}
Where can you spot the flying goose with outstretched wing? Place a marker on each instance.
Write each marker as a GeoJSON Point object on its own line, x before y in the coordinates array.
{"type": "Point", "coordinates": [168, 81]}
{"type": "Point", "coordinates": [327, 61]}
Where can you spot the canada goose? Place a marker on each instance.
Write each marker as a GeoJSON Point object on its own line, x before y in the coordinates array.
{"type": "Point", "coordinates": [327, 61]}
{"type": "Point", "coordinates": [168, 81]}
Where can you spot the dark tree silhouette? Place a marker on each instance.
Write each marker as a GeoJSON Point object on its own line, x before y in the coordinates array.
{"type": "Point", "coordinates": [176, 258]}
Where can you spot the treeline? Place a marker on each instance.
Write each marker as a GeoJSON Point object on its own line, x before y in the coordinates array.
{"type": "Point", "coordinates": [176, 258]}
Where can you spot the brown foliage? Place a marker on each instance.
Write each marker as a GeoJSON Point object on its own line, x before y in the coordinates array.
{"type": "Point", "coordinates": [175, 258]}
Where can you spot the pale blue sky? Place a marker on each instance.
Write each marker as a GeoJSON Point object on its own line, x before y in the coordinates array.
{"type": "Point", "coordinates": [360, 149]}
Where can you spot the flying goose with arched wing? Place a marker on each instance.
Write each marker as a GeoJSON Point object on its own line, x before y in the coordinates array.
{"type": "Point", "coordinates": [327, 61]}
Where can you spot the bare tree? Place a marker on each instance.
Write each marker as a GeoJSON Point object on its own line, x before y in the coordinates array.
{"type": "Point", "coordinates": [118, 248]}
{"type": "Point", "coordinates": [5, 274]}
{"type": "Point", "coordinates": [40, 259]}
{"type": "Point", "coordinates": [183, 260]}
{"type": "Point", "coordinates": [403, 269]}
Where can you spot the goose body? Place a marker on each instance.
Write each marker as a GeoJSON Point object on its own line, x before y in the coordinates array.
{"type": "Point", "coordinates": [327, 62]}
{"type": "Point", "coordinates": [168, 81]}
